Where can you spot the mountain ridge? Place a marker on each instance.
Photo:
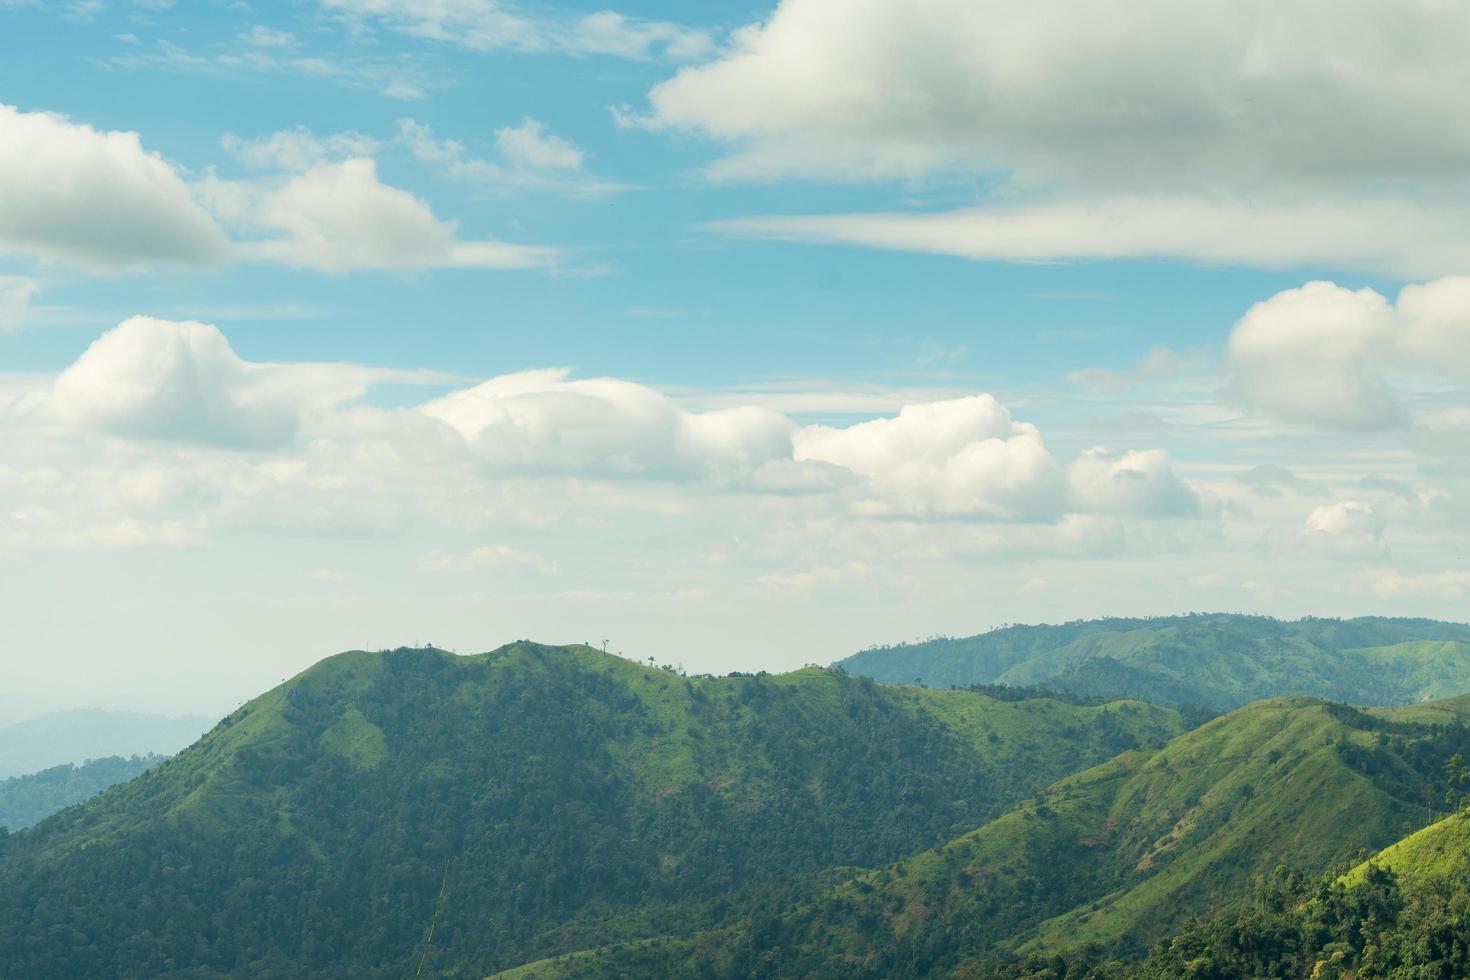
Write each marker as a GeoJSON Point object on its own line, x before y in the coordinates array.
{"type": "Point", "coordinates": [562, 787]}
{"type": "Point", "coordinates": [1216, 660]}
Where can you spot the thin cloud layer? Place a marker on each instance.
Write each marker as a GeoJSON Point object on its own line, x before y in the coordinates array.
{"type": "Point", "coordinates": [485, 25]}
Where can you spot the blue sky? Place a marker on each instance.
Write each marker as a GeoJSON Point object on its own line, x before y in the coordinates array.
{"type": "Point", "coordinates": [772, 227]}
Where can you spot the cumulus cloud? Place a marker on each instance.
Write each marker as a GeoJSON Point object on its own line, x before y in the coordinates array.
{"type": "Point", "coordinates": [337, 217]}
{"type": "Point", "coordinates": [160, 434]}
{"type": "Point", "coordinates": [98, 199]}
{"type": "Point", "coordinates": [1141, 483]}
{"type": "Point", "coordinates": [544, 421]}
{"type": "Point", "coordinates": [1347, 530]}
{"type": "Point", "coordinates": [1325, 355]}
{"type": "Point", "coordinates": [1261, 134]}
{"type": "Point", "coordinates": [158, 379]}
{"type": "Point", "coordinates": [181, 381]}
{"type": "Point", "coordinates": [966, 456]}
{"type": "Point", "coordinates": [529, 144]}
{"type": "Point", "coordinates": [1142, 95]}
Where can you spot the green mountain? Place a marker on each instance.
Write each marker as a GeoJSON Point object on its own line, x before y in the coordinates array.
{"type": "Point", "coordinates": [385, 813]}
{"type": "Point", "coordinates": [1217, 661]}
{"type": "Point", "coordinates": [1109, 859]}
{"type": "Point", "coordinates": [90, 733]}
{"type": "Point", "coordinates": [26, 800]}
{"type": "Point", "coordinates": [1404, 913]}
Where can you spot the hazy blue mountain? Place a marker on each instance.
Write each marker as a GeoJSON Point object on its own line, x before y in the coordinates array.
{"type": "Point", "coordinates": [27, 800]}
{"type": "Point", "coordinates": [1219, 661]}
{"type": "Point", "coordinates": [91, 733]}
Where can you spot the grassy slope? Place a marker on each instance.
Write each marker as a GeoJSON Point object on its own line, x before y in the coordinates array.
{"type": "Point", "coordinates": [1117, 854]}
{"type": "Point", "coordinates": [1437, 853]}
{"type": "Point", "coordinates": [1220, 661]}
{"type": "Point", "coordinates": [362, 774]}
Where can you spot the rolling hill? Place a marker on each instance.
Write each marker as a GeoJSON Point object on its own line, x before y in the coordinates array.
{"type": "Point", "coordinates": [1217, 661]}
{"type": "Point", "coordinates": [1108, 860]}
{"type": "Point", "coordinates": [515, 805]}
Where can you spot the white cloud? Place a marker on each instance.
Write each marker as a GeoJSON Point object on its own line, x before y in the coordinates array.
{"type": "Point", "coordinates": [172, 381]}
{"type": "Point", "coordinates": [1144, 95]}
{"type": "Point", "coordinates": [530, 156]}
{"type": "Point", "coordinates": [1404, 238]}
{"type": "Point", "coordinates": [396, 79]}
{"type": "Point", "coordinates": [1348, 530]}
{"type": "Point", "coordinates": [490, 557]}
{"type": "Point", "coordinates": [543, 422]}
{"type": "Point", "coordinates": [1451, 584]}
{"type": "Point", "coordinates": [16, 293]}
{"type": "Point", "coordinates": [485, 25]}
{"type": "Point", "coordinates": [962, 457]}
{"type": "Point", "coordinates": [1326, 355]}
{"type": "Point", "coordinates": [1265, 134]}
{"type": "Point", "coordinates": [337, 217]}
{"type": "Point", "coordinates": [74, 194]}
{"type": "Point", "coordinates": [1156, 364]}
{"type": "Point", "coordinates": [158, 379]}
{"type": "Point", "coordinates": [299, 149]}
{"type": "Point", "coordinates": [1141, 483]}
{"type": "Point", "coordinates": [529, 144]}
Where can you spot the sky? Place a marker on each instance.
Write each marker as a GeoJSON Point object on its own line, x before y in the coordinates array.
{"type": "Point", "coordinates": [738, 336]}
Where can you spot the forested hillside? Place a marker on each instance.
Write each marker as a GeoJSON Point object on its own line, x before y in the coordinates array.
{"type": "Point", "coordinates": [25, 800]}
{"type": "Point", "coordinates": [1218, 661]}
{"type": "Point", "coordinates": [517, 804]}
{"type": "Point", "coordinates": [1104, 862]}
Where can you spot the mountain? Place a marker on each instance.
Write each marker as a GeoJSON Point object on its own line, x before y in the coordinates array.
{"type": "Point", "coordinates": [388, 811]}
{"type": "Point", "coordinates": [1110, 859]}
{"type": "Point", "coordinates": [26, 800]}
{"type": "Point", "coordinates": [90, 733]}
{"type": "Point", "coordinates": [1218, 661]}
{"type": "Point", "coordinates": [1403, 913]}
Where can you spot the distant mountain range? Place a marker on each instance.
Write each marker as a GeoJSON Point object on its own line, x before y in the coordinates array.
{"type": "Point", "coordinates": [1217, 661]}
{"type": "Point", "coordinates": [89, 733]}
{"type": "Point", "coordinates": [26, 800]}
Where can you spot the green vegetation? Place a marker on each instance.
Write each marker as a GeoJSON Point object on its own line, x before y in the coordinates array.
{"type": "Point", "coordinates": [1217, 661]}
{"type": "Point", "coordinates": [575, 800]}
{"type": "Point", "coordinates": [26, 800]}
{"type": "Point", "coordinates": [1103, 862]}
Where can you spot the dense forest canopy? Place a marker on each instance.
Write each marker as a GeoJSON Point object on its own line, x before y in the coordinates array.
{"type": "Point", "coordinates": [25, 800]}
{"type": "Point", "coordinates": [560, 797]}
